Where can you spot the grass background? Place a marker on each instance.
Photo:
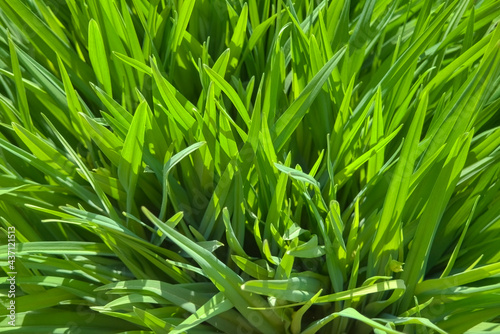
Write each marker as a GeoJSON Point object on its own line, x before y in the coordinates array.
{"type": "Point", "coordinates": [261, 166]}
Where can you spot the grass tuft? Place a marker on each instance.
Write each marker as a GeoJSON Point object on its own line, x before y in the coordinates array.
{"type": "Point", "coordinates": [250, 166]}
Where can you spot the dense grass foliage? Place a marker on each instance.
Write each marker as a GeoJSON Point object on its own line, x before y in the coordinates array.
{"type": "Point", "coordinates": [251, 167]}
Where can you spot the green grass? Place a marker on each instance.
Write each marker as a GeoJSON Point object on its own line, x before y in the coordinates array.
{"type": "Point", "coordinates": [251, 167]}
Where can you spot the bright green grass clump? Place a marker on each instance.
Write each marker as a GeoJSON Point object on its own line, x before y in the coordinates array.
{"type": "Point", "coordinates": [251, 167]}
